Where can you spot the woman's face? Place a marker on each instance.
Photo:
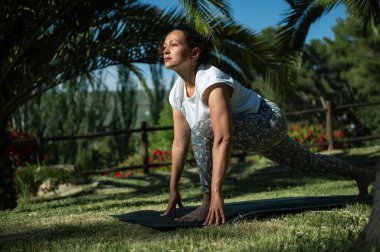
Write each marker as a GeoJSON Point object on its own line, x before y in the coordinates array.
{"type": "Point", "coordinates": [176, 51]}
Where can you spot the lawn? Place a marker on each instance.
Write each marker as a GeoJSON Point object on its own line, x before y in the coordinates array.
{"type": "Point", "coordinates": [83, 222]}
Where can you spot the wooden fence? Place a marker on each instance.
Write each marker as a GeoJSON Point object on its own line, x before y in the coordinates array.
{"type": "Point", "coordinates": [327, 108]}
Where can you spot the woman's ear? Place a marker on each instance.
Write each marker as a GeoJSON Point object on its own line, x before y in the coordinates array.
{"type": "Point", "coordinates": [196, 53]}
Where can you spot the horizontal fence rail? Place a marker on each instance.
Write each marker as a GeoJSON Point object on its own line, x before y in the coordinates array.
{"type": "Point", "coordinates": [327, 108]}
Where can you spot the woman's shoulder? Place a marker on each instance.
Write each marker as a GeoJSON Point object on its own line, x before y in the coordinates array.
{"type": "Point", "coordinates": [178, 84]}
{"type": "Point", "coordinates": [176, 93]}
{"type": "Point", "coordinates": [210, 70]}
{"type": "Point", "coordinates": [209, 74]}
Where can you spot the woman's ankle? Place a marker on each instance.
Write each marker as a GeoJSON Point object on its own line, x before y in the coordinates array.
{"type": "Point", "coordinates": [206, 200]}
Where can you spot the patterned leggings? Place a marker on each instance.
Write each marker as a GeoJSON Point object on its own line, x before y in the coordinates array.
{"type": "Point", "coordinates": [264, 132]}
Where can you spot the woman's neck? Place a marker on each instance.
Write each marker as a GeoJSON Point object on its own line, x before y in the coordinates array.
{"type": "Point", "coordinates": [188, 76]}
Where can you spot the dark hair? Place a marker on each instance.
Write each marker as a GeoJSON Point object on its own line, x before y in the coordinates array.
{"type": "Point", "coordinates": [194, 39]}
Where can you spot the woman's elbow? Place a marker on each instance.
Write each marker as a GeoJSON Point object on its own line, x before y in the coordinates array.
{"type": "Point", "coordinates": [223, 140]}
{"type": "Point", "coordinates": [180, 143]}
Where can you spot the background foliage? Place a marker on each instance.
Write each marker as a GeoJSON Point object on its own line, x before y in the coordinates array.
{"type": "Point", "coordinates": [343, 70]}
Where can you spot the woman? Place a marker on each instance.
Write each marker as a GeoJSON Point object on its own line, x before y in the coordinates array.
{"type": "Point", "coordinates": [216, 113]}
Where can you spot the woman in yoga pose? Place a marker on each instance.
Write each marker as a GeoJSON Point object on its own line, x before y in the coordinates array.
{"type": "Point", "coordinates": [216, 113]}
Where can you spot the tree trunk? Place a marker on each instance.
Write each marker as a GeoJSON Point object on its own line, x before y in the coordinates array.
{"type": "Point", "coordinates": [371, 233]}
{"type": "Point", "coordinates": [8, 196]}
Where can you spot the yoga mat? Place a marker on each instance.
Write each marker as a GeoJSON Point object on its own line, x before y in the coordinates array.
{"type": "Point", "coordinates": [241, 210]}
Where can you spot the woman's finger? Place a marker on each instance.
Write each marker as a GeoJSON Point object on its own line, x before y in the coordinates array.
{"type": "Point", "coordinates": [207, 219]}
{"type": "Point", "coordinates": [217, 217]}
{"type": "Point", "coordinates": [222, 216]}
{"type": "Point", "coordinates": [169, 210]}
{"type": "Point", "coordinates": [212, 217]}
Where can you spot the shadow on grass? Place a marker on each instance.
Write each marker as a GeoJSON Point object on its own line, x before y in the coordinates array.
{"type": "Point", "coordinates": [242, 179]}
{"type": "Point", "coordinates": [62, 233]}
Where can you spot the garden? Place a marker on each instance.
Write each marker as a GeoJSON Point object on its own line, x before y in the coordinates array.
{"type": "Point", "coordinates": [86, 129]}
{"type": "Point", "coordinates": [78, 216]}
{"type": "Point", "coordinates": [83, 220]}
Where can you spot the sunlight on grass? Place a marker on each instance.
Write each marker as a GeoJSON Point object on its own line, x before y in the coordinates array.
{"type": "Point", "coordinates": [84, 222]}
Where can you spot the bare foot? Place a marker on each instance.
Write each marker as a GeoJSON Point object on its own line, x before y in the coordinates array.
{"type": "Point", "coordinates": [363, 178]}
{"type": "Point", "coordinates": [200, 213]}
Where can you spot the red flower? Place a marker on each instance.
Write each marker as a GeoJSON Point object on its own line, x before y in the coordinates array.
{"type": "Point", "coordinates": [338, 134]}
{"type": "Point", "coordinates": [308, 136]}
{"type": "Point", "coordinates": [118, 174]}
{"type": "Point", "coordinates": [157, 152]}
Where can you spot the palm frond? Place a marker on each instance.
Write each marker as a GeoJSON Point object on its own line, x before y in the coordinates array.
{"type": "Point", "coordinates": [201, 15]}
{"type": "Point", "coordinates": [368, 11]}
{"type": "Point", "coordinates": [248, 57]}
{"type": "Point", "coordinates": [140, 76]}
{"type": "Point", "coordinates": [302, 15]}
{"type": "Point", "coordinates": [55, 44]}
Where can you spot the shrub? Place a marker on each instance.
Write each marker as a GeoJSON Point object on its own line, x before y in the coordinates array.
{"type": "Point", "coordinates": [29, 178]}
{"type": "Point", "coordinates": [156, 156]}
{"type": "Point", "coordinates": [22, 154]}
{"type": "Point", "coordinates": [163, 139]}
{"type": "Point", "coordinates": [314, 134]}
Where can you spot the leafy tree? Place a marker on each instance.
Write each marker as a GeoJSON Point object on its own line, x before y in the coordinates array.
{"type": "Point", "coordinates": [343, 70]}
{"type": "Point", "coordinates": [80, 106]}
{"type": "Point", "coordinates": [157, 94]}
{"type": "Point", "coordinates": [291, 39]}
{"type": "Point", "coordinates": [45, 43]}
{"type": "Point", "coordinates": [303, 14]}
{"type": "Point", "coordinates": [125, 110]}
{"type": "Point", "coordinates": [164, 139]}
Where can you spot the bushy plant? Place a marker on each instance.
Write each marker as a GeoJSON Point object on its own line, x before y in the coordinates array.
{"type": "Point", "coordinates": [163, 139]}
{"type": "Point", "coordinates": [156, 156]}
{"type": "Point", "coordinates": [26, 181]}
{"type": "Point", "coordinates": [307, 134]}
{"type": "Point", "coordinates": [23, 153]}
{"type": "Point", "coordinates": [29, 178]}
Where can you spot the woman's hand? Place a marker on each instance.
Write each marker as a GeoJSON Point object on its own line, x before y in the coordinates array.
{"type": "Point", "coordinates": [216, 210]}
{"type": "Point", "coordinates": [174, 199]}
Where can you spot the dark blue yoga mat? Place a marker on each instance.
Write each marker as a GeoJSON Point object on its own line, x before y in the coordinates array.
{"type": "Point", "coordinates": [242, 210]}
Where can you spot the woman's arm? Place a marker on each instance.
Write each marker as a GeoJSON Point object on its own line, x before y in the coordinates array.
{"type": "Point", "coordinates": [180, 147]}
{"type": "Point", "coordinates": [221, 121]}
{"type": "Point", "coordinates": [179, 151]}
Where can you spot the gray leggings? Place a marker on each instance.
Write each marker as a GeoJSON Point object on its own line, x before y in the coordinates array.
{"type": "Point", "coordinates": [264, 132]}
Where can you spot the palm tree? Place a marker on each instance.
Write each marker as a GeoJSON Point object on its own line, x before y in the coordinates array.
{"type": "Point", "coordinates": [291, 38]}
{"type": "Point", "coordinates": [303, 13]}
{"type": "Point", "coordinates": [45, 43]}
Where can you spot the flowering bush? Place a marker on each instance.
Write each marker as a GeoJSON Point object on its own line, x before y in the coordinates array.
{"type": "Point", "coordinates": [313, 134]}
{"type": "Point", "coordinates": [22, 154]}
{"type": "Point", "coordinates": [156, 156]}
{"type": "Point", "coordinates": [161, 156]}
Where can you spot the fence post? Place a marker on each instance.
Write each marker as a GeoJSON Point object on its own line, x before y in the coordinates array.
{"type": "Point", "coordinates": [40, 151]}
{"type": "Point", "coordinates": [329, 127]}
{"type": "Point", "coordinates": [145, 153]}
{"type": "Point", "coordinates": [242, 157]}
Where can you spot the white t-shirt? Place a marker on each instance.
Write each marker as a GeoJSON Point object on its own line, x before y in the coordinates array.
{"type": "Point", "coordinates": [243, 100]}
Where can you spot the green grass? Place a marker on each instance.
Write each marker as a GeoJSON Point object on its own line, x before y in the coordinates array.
{"type": "Point", "coordinates": [83, 222]}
